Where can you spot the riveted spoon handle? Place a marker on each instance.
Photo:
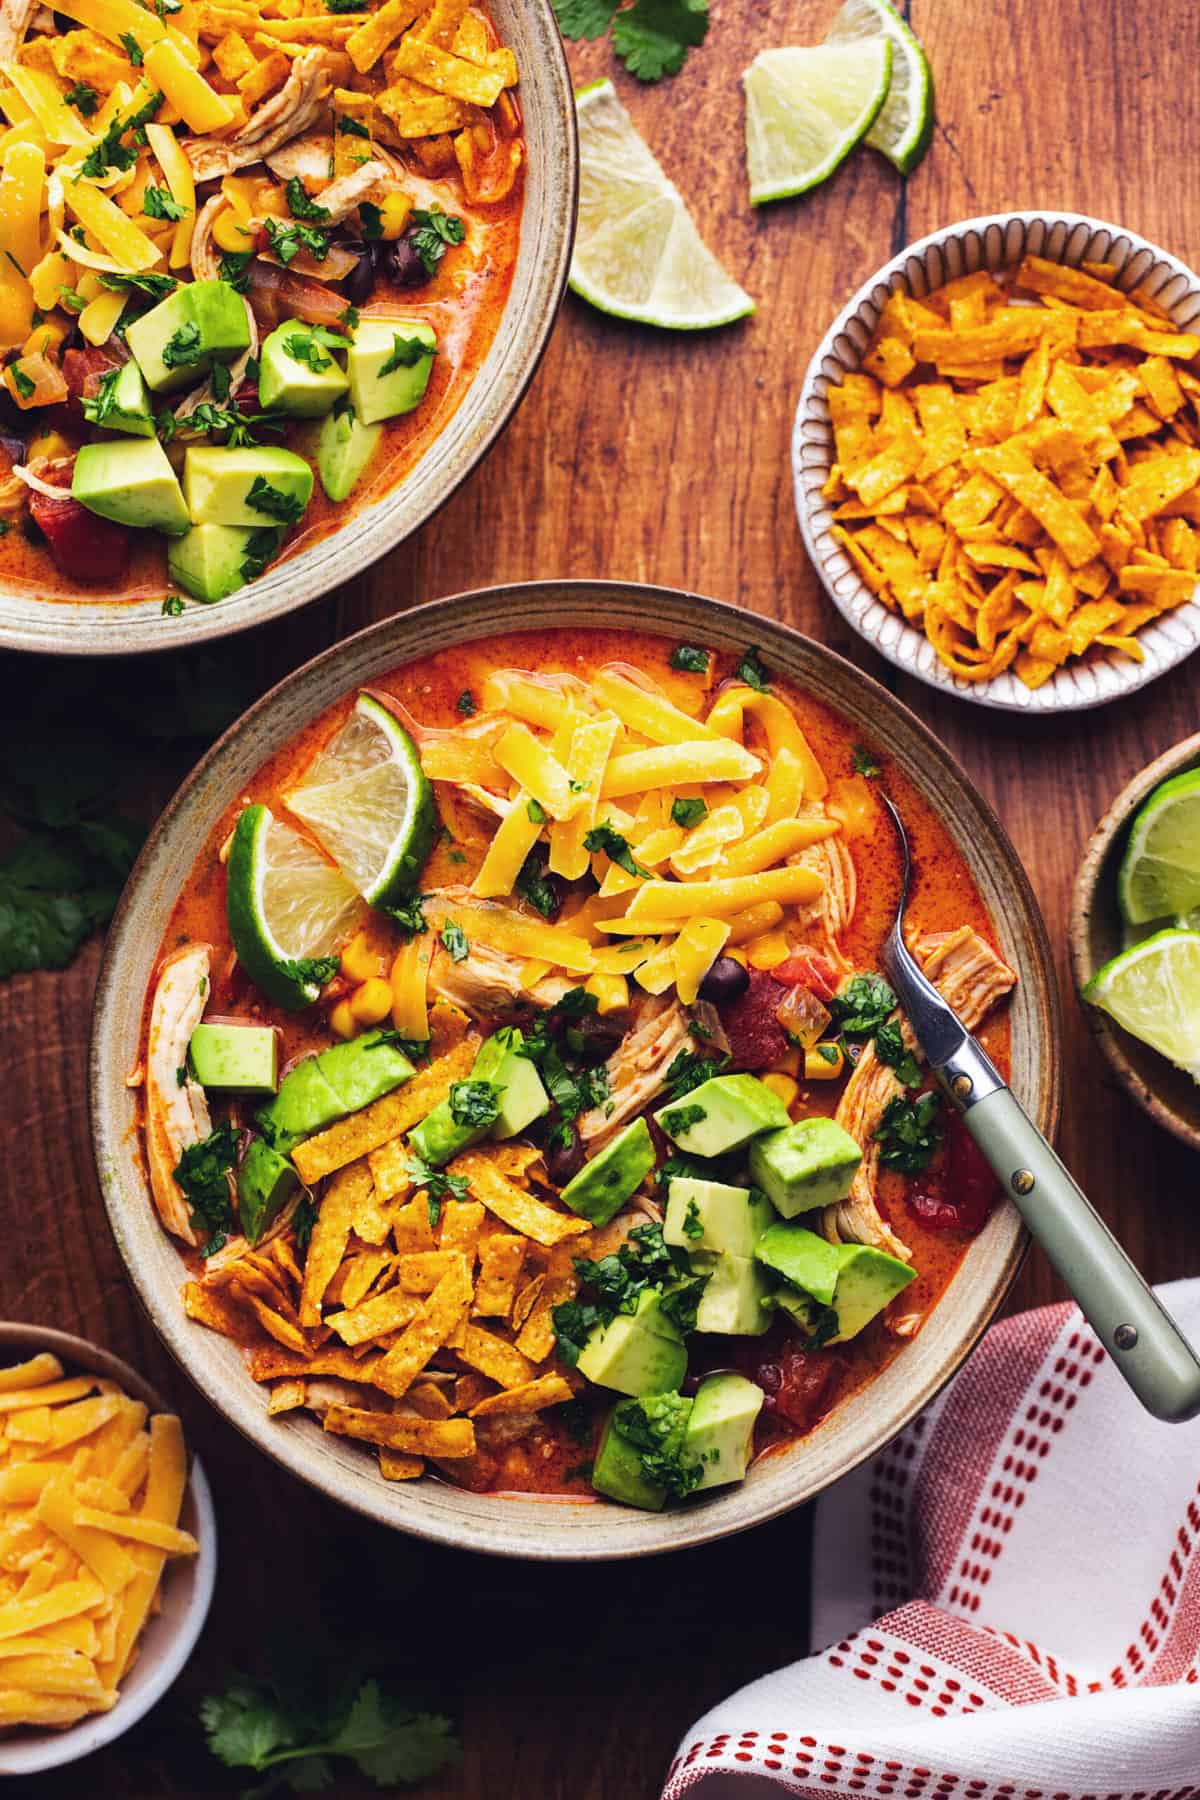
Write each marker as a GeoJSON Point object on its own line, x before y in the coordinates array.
{"type": "Point", "coordinates": [1144, 1342]}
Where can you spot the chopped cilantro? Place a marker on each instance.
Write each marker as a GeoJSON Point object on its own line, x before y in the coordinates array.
{"type": "Point", "coordinates": [430, 233]}
{"type": "Point", "coordinates": [110, 152]}
{"type": "Point", "coordinates": [863, 1005]}
{"type": "Point", "coordinates": [221, 380]}
{"type": "Point", "coordinates": [183, 347]}
{"type": "Point", "coordinates": [406, 354]}
{"type": "Point", "coordinates": [909, 1133]}
{"type": "Point", "coordinates": [828, 1053]}
{"type": "Point", "coordinates": [203, 1174]}
{"type": "Point", "coordinates": [303, 1220]}
{"type": "Point", "coordinates": [208, 418]}
{"type": "Point", "coordinates": [300, 205]}
{"type": "Point", "coordinates": [465, 705]}
{"type": "Point", "coordinates": [682, 1118]}
{"type": "Point", "coordinates": [693, 1224]}
{"type": "Point", "coordinates": [534, 885]}
{"type": "Point", "coordinates": [410, 916]}
{"type": "Point", "coordinates": [864, 762]}
{"type": "Point", "coordinates": [172, 606]}
{"type": "Point", "coordinates": [688, 1072]}
{"type": "Point", "coordinates": [21, 381]}
{"type": "Point", "coordinates": [688, 812]}
{"type": "Point", "coordinates": [234, 269]}
{"type": "Point", "coordinates": [348, 126]}
{"type": "Point", "coordinates": [287, 241]}
{"type": "Point", "coordinates": [265, 498]}
{"type": "Point", "coordinates": [606, 837]}
{"type": "Point", "coordinates": [261, 548]}
{"type": "Point", "coordinates": [752, 670]}
{"type": "Point", "coordinates": [83, 97]}
{"type": "Point", "coordinates": [372, 221]}
{"type": "Point", "coordinates": [155, 287]}
{"type": "Point", "coordinates": [656, 1426]}
{"type": "Point", "coordinates": [436, 1182]}
{"type": "Point", "coordinates": [133, 49]}
{"type": "Point", "coordinates": [535, 812]}
{"type": "Point", "coordinates": [70, 301]}
{"type": "Point", "coordinates": [455, 940]}
{"type": "Point", "coordinates": [690, 660]}
{"type": "Point", "coordinates": [474, 1104]}
{"type": "Point", "coordinates": [315, 970]}
{"type": "Point", "coordinates": [160, 203]}
{"type": "Point", "coordinates": [891, 1049]}
{"type": "Point", "coordinates": [98, 407]}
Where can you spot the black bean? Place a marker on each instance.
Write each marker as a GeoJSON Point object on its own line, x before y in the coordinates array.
{"type": "Point", "coordinates": [404, 265]}
{"type": "Point", "coordinates": [564, 1158]}
{"type": "Point", "coordinates": [726, 981]}
{"type": "Point", "coordinates": [357, 285]}
{"type": "Point", "coordinates": [590, 1038]}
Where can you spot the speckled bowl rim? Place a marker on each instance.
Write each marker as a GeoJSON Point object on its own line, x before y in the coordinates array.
{"type": "Point", "coordinates": [95, 626]}
{"type": "Point", "coordinates": [529, 1526]}
{"type": "Point", "coordinates": [997, 240]}
{"type": "Point", "coordinates": [1095, 886]}
{"type": "Point", "coordinates": [167, 1643]}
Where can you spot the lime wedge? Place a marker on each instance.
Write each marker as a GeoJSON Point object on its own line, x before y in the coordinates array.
{"type": "Point", "coordinates": [806, 108]}
{"type": "Point", "coordinates": [638, 254]}
{"type": "Point", "coordinates": [1160, 872]}
{"type": "Point", "coordinates": [1153, 990]}
{"type": "Point", "coordinates": [905, 123]}
{"type": "Point", "coordinates": [367, 801]}
{"type": "Point", "coordinates": [288, 908]}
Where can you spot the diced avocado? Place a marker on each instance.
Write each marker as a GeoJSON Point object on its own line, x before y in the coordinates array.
{"type": "Point", "coordinates": [868, 1280]}
{"type": "Point", "coordinates": [209, 561]}
{"type": "Point", "coordinates": [732, 1301]}
{"type": "Point", "coordinates": [809, 1164]}
{"type": "Point", "coordinates": [389, 365]}
{"type": "Point", "coordinates": [265, 1184]}
{"type": "Point", "coordinates": [720, 1431]}
{"type": "Point", "coordinates": [722, 1114]}
{"type": "Point", "coordinates": [253, 486]}
{"type": "Point", "coordinates": [617, 1472]}
{"type": "Point", "coordinates": [177, 342]}
{"type": "Point", "coordinates": [621, 1355]}
{"type": "Point", "coordinates": [802, 1257]}
{"type": "Point", "coordinates": [239, 1059]}
{"type": "Point", "coordinates": [364, 1069]}
{"type": "Point", "coordinates": [297, 374]}
{"type": "Point", "coordinates": [649, 1315]}
{"type": "Point", "coordinates": [305, 1103]}
{"type": "Point", "coordinates": [440, 1135]}
{"type": "Point", "coordinates": [603, 1185]}
{"type": "Point", "coordinates": [130, 407]}
{"type": "Point", "coordinates": [522, 1096]}
{"type": "Point", "coordinates": [344, 448]}
{"type": "Point", "coordinates": [707, 1215]}
{"type": "Point", "coordinates": [130, 481]}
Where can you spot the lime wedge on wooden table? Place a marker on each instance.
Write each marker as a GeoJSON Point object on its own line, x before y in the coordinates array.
{"type": "Point", "coordinates": [806, 108]}
{"type": "Point", "coordinates": [366, 800]}
{"type": "Point", "coordinates": [638, 254]}
{"type": "Point", "coordinates": [1160, 871]}
{"type": "Point", "coordinates": [286, 905]}
{"type": "Point", "coordinates": [904, 125]}
{"type": "Point", "coordinates": [1153, 990]}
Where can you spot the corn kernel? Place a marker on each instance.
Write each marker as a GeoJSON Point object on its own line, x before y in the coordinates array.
{"type": "Point", "coordinates": [789, 1062]}
{"type": "Point", "coordinates": [46, 337]}
{"type": "Point", "coordinates": [229, 233]}
{"type": "Point", "coordinates": [768, 951]}
{"type": "Point", "coordinates": [824, 1062]}
{"type": "Point", "coordinates": [48, 444]}
{"type": "Point", "coordinates": [393, 214]}
{"type": "Point", "coordinates": [342, 1021]}
{"type": "Point", "coordinates": [611, 992]}
{"type": "Point", "coordinates": [359, 961]}
{"type": "Point", "coordinates": [781, 1085]}
{"type": "Point", "coordinates": [372, 1001]}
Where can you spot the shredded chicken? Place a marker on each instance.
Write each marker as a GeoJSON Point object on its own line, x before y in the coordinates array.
{"type": "Point", "coordinates": [971, 978]}
{"type": "Point", "coordinates": [310, 157]}
{"type": "Point", "coordinates": [206, 264]}
{"type": "Point", "coordinates": [324, 1391]}
{"type": "Point", "coordinates": [487, 984]}
{"type": "Point", "coordinates": [370, 181]}
{"type": "Point", "coordinates": [297, 106]}
{"type": "Point", "coordinates": [831, 912]}
{"type": "Point", "coordinates": [176, 1112]}
{"type": "Point", "coordinates": [637, 1070]}
{"type": "Point", "coordinates": [15, 17]}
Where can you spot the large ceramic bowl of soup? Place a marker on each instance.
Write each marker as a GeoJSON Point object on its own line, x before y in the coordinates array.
{"type": "Point", "coordinates": [497, 1101]}
{"type": "Point", "coordinates": [273, 280]}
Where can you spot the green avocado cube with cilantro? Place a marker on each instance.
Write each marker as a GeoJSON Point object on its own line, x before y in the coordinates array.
{"type": "Point", "coordinates": [364, 1069]}
{"type": "Point", "coordinates": [122, 403]}
{"type": "Point", "coordinates": [306, 1102]}
{"type": "Point", "coordinates": [130, 481]}
{"type": "Point", "coordinates": [501, 1096]}
{"type": "Point", "coordinates": [624, 1355]}
{"type": "Point", "coordinates": [833, 1289]}
{"type": "Point", "coordinates": [618, 1474]}
{"type": "Point", "coordinates": [735, 1295]}
{"type": "Point", "coordinates": [251, 486]}
{"type": "Point", "coordinates": [266, 1182]}
{"type": "Point", "coordinates": [722, 1114]}
{"type": "Point", "coordinates": [720, 1429]}
{"type": "Point", "coordinates": [389, 364]}
{"type": "Point", "coordinates": [808, 1164]}
{"type": "Point", "coordinates": [210, 562]}
{"type": "Point", "coordinates": [177, 342]}
{"type": "Point", "coordinates": [604, 1184]}
{"type": "Point", "coordinates": [710, 1215]}
{"type": "Point", "coordinates": [298, 372]}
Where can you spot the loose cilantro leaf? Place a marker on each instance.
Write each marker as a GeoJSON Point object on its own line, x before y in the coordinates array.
{"type": "Point", "coordinates": [573, 1089]}
{"type": "Point", "coordinates": [752, 670]}
{"type": "Point", "coordinates": [689, 1071]}
{"type": "Point", "coordinates": [616, 1283]}
{"type": "Point", "coordinates": [347, 125]}
{"type": "Point", "coordinates": [70, 301]}
{"type": "Point", "coordinates": [98, 407]}
{"type": "Point", "coordinates": [410, 916]}
{"type": "Point", "coordinates": [21, 381]}
{"type": "Point", "coordinates": [827, 1052]}
{"type": "Point", "coordinates": [682, 1118]}
{"type": "Point", "coordinates": [864, 762]}
{"type": "Point", "coordinates": [431, 233]}
{"type": "Point", "coordinates": [203, 1174]}
{"type": "Point", "coordinates": [909, 1133]}
{"type": "Point", "coordinates": [863, 1005]}
{"type": "Point", "coordinates": [606, 837]}
{"type": "Point", "coordinates": [316, 970]}
{"type": "Point", "coordinates": [680, 1304]}
{"type": "Point", "coordinates": [221, 380]}
{"type": "Point", "coordinates": [234, 269]}
{"type": "Point", "coordinates": [265, 498]}
{"type": "Point", "coordinates": [303, 1220]}
{"type": "Point", "coordinates": [693, 1224]}
{"type": "Point", "coordinates": [155, 287]}
{"type": "Point", "coordinates": [891, 1049]}
{"type": "Point", "coordinates": [406, 354]}
{"type": "Point", "coordinates": [172, 607]}
{"type": "Point", "coordinates": [690, 660]}
{"type": "Point", "coordinates": [573, 1321]}
{"type": "Point", "coordinates": [474, 1104]}
{"type": "Point", "coordinates": [534, 885]}
{"type": "Point", "coordinates": [653, 37]}
{"type": "Point", "coordinates": [535, 812]}
{"type": "Point", "coordinates": [305, 349]}
{"type": "Point", "coordinates": [437, 1184]}
{"type": "Point", "coordinates": [576, 1003]}
{"type": "Point", "coordinates": [160, 203]}
{"type": "Point", "coordinates": [83, 97]}
{"type": "Point", "coordinates": [584, 18]}
{"type": "Point", "coordinates": [688, 813]}
{"type": "Point", "coordinates": [208, 418]}
{"type": "Point", "coordinates": [455, 940]}
{"type": "Point", "coordinates": [111, 152]}
{"type": "Point", "coordinates": [656, 1426]}
{"type": "Point", "coordinates": [466, 708]}
{"type": "Point", "coordinates": [133, 49]}
{"type": "Point", "coordinates": [261, 548]}
{"type": "Point", "coordinates": [300, 205]}
{"type": "Point", "coordinates": [183, 347]}
{"type": "Point", "coordinates": [287, 241]}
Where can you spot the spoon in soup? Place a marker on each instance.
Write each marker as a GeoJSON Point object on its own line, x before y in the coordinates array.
{"type": "Point", "coordinates": [1146, 1345]}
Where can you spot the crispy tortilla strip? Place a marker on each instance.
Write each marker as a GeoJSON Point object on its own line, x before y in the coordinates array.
{"type": "Point", "coordinates": [360, 1275]}
{"type": "Point", "coordinates": [537, 1337]}
{"type": "Point", "coordinates": [437, 1321]}
{"type": "Point", "coordinates": [276, 1326]}
{"type": "Point", "coordinates": [389, 1311]}
{"type": "Point", "coordinates": [331, 1234]}
{"type": "Point", "coordinates": [430, 1400]}
{"type": "Point", "coordinates": [473, 84]}
{"type": "Point", "coordinates": [398, 1465]}
{"type": "Point", "coordinates": [1041, 276]}
{"type": "Point", "coordinates": [366, 45]}
{"type": "Point", "coordinates": [1048, 504]}
{"type": "Point", "coordinates": [420, 1273]}
{"type": "Point", "coordinates": [389, 1169]}
{"type": "Point", "coordinates": [384, 1119]}
{"type": "Point", "coordinates": [495, 1358]}
{"type": "Point", "coordinates": [547, 1390]}
{"type": "Point", "coordinates": [287, 1396]}
{"type": "Point", "coordinates": [462, 1221]}
{"type": "Point", "coordinates": [449, 1438]}
{"type": "Point", "coordinates": [500, 1259]}
{"type": "Point", "coordinates": [210, 1306]}
{"type": "Point", "coordinates": [411, 1227]}
{"type": "Point", "coordinates": [533, 1218]}
{"type": "Point", "coordinates": [526, 1300]}
{"type": "Point", "coordinates": [270, 1364]}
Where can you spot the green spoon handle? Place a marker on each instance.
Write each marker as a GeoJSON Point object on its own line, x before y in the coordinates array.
{"type": "Point", "coordinates": [1144, 1342]}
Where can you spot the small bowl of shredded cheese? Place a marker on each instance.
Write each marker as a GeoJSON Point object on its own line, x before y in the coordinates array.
{"type": "Point", "coordinates": [108, 1548]}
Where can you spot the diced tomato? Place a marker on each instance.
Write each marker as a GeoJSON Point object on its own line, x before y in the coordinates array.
{"type": "Point", "coordinates": [799, 1384]}
{"type": "Point", "coordinates": [808, 968]}
{"type": "Point", "coordinates": [82, 372]}
{"type": "Point", "coordinates": [85, 547]}
{"type": "Point", "coordinates": [756, 1038]}
{"type": "Point", "coordinates": [960, 1195]}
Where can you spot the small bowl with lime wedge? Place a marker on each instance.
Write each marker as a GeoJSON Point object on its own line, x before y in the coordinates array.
{"type": "Point", "coordinates": [1135, 938]}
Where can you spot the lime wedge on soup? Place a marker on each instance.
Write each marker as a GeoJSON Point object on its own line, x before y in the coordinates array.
{"type": "Point", "coordinates": [1160, 871]}
{"type": "Point", "coordinates": [806, 108]}
{"type": "Point", "coordinates": [367, 801]}
{"type": "Point", "coordinates": [638, 253]}
{"type": "Point", "coordinates": [289, 909]}
{"type": "Point", "coordinates": [1153, 990]}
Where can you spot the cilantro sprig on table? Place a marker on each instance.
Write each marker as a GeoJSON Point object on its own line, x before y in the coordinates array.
{"type": "Point", "coordinates": [652, 37]}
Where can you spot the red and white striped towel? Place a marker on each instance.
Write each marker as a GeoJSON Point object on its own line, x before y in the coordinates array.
{"type": "Point", "coordinates": [1029, 1554]}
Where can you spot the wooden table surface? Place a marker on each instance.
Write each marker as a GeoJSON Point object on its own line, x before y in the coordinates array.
{"type": "Point", "coordinates": [663, 459]}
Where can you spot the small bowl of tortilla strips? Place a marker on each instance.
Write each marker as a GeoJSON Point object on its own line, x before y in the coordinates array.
{"type": "Point", "coordinates": [996, 461]}
{"type": "Point", "coordinates": [108, 1548]}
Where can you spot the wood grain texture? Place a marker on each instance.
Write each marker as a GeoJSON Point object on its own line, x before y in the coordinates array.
{"type": "Point", "coordinates": [652, 458]}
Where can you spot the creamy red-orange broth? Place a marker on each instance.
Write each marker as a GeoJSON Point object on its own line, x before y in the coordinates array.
{"type": "Point", "coordinates": [551, 1459]}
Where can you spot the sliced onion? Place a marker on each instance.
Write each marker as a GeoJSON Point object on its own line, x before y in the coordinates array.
{"type": "Point", "coordinates": [802, 1016]}
{"type": "Point", "coordinates": [38, 485]}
